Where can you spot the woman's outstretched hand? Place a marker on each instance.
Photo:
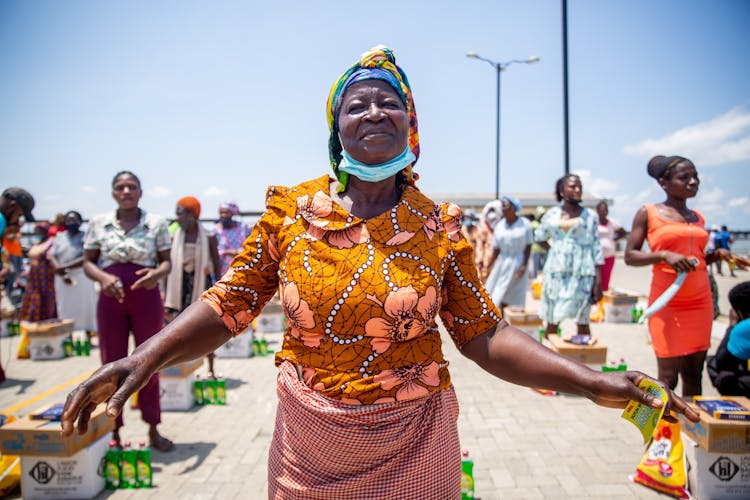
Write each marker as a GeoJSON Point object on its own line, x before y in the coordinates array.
{"type": "Point", "coordinates": [616, 389]}
{"type": "Point", "coordinates": [114, 382]}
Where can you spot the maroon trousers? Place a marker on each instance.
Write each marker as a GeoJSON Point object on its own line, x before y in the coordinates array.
{"type": "Point", "coordinates": [142, 312]}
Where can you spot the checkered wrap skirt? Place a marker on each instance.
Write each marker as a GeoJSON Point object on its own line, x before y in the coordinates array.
{"type": "Point", "coordinates": [323, 449]}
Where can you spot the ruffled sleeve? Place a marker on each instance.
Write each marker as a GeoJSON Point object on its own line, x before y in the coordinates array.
{"type": "Point", "coordinates": [252, 278]}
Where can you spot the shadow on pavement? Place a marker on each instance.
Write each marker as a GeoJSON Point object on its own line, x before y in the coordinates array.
{"type": "Point", "coordinates": [22, 384]}
{"type": "Point", "coordinates": [183, 452]}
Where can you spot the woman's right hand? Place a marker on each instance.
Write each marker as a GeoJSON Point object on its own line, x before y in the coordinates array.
{"type": "Point", "coordinates": [111, 286]}
{"type": "Point", "coordinates": [677, 261]}
{"type": "Point", "coordinates": [114, 382]}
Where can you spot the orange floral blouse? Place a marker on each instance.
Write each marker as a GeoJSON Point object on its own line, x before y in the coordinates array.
{"type": "Point", "coordinates": [360, 296]}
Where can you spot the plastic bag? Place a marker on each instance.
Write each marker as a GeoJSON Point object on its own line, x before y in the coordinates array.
{"type": "Point", "coordinates": [663, 466]}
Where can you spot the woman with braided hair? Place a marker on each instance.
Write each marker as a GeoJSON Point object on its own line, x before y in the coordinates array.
{"type": "Point", "coordinates": [364, 263]}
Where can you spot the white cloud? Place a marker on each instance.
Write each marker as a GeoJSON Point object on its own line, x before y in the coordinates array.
{"type": "Point", "coordinates": [740, 202]}
{"type": "Point", "coordinates": [158, 192]}
{"type": "Point", "coordinates": [723, 139]}
{"type": "Point", "coordinates": [214, 192]}
{"type": "Point", "coordinates": [88, 189]}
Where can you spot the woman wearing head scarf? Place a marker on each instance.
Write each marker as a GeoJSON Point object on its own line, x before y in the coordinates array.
{"type": "Point", "coordinates": [491, 214]}
{"type": "Point", "coordinates": [511, 245]}
{"type": "Point", "coordinates": [127, 252]}
{"type": "Point", "coordinates": [572, 271]}
{"type": "Point", "coordinates": [195, 259]}
{"type": "Point", "coordinates": [230, 234]}
{"type": "Point", "coordinates": [75, 292]}
{"type": "Point", "coordinates": [364, 263]}
{"type": "Point", "coordinates": [677, 238]}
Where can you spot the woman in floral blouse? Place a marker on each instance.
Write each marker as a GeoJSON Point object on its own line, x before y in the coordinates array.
{"type": "Point", "coordinates": [128, 252]}
{"type": "Point", "coordinates": [364, 263]}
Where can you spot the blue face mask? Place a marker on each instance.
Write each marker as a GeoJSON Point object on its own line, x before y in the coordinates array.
{"type": "Point", "coordinates": [379, 172]}
{"type": "Point", "coordinates": [3, 223]}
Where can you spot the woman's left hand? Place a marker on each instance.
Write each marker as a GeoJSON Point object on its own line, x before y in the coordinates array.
{"type": "Point", "coordinates": [617, 389]}
{"type": "Point", "coordinates": [519, 274]}
{"type": "Point", "coordinates": [149, 279]}
{"type": "Point", "coordinates": [596, 291]}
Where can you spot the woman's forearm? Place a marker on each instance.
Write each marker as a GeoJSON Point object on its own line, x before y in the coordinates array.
{"type": "Point", "coordinates": [510, 354]}
{"type": "Point", "coordinates": [197, 331]}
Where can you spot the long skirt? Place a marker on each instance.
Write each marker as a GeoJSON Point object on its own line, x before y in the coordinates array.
{"type": "Point", "coordinates": [77, 301]}
{"type": "Point", "coordinates": [324, 449]}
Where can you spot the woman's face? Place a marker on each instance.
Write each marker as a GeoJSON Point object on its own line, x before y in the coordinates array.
{"type": "Point", "coordinates": [572, 189]}
{"type": "Point", "coordinates": [507, 208]}
{"type": "Point", "coordinates": [72, 220]}
{"type": "Point", "coordinates": [373, 123]}
{"type": "Point", "coordinates": [225, 214]}
{"type": "Point", "coordinates": [126, 191]}
{"type": "Point", "coordinates": [602, 210]}
{"type": "Point", "coordinates": [185, 217]}
{"type": "Point", "coordinates": [682, 182]}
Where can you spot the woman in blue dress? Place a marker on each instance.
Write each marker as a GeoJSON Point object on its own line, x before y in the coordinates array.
{"type": "Point", "coordinates": [572, 273]}
{"type": "Point", "coordinates": [511, 245]}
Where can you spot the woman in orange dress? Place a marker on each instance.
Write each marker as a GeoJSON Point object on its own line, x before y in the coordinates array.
{"type": "Point", "coordinates": [677, 237]}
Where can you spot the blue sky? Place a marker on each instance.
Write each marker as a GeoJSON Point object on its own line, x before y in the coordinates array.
{"type": "Point", "coordinates": [221, 99]}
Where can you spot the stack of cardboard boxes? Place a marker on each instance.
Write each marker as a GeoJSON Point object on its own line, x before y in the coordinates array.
{"type": "Point", "coordinates": [718, 455]}
{"type": "Point", "coordinates": [618, 306]}
{"type": "Point", "coordinates": [176, 386]}
{"type": "Point", "coordinates": [56, 467]}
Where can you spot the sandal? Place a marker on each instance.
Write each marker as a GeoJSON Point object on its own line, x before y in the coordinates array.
{"type": "Point", "coordinates": [160, 443]}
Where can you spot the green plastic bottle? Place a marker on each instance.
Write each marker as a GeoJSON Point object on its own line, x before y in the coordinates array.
{"type": "Point", "coordinates": [198, 391]}
{"type": "Point", "coordinates": [220, 386]}
{"type": "Point", "coordinates": [256, 347]}
{"type": "Point", "coordinates": [467, 476]}
{"type": "Point", "coordinates": [263, 347]}
{"type": "Point", "coordinates": [112, 466]}
{"type": "Point", "coordinates": [144, 477]}
{"type": "Point", "coordinates": [128, 459]}
{"type": "Point", "coordinates": [68, 348]}
{"type": "Point", "coordinates": [87, 347]}
{"type": "Point", "coordinates": [209, 392]}
{"type": "Point", "coordinates": [78, 347]}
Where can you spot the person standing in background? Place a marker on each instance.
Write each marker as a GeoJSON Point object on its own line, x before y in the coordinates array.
{"type": "Point", "coordinates": [723, 239]}
{"type": "Point", "coordinates": [609, 232]}
{"type": "Point", "coordinates": [128, 252]}
{"type": "Point", "coordinates": [491, 213]}
{"type": "Point", "coordinates": [677, 239]}
{"type": "Point", "coordinates": [572, 273]}
{"type": "Point", "coordinates": [38, 301]}
{"type": "Point", "coordinates": [538, 252]}
{"type": "Point", "coordinates": [195, 259]}
{"type": "Point", "coordinates": [511, 246]}
{"type": "Point", "coordinates": [231, 234]}
{"type": "Point", "coordinates": [75, 292]}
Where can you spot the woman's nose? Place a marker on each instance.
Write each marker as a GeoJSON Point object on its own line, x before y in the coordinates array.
{"type": "Point", "coordinates": [375, 112]}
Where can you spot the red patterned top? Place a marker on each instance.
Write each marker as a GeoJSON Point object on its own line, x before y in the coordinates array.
{"type": "Point", "coordinates": [360, 296]}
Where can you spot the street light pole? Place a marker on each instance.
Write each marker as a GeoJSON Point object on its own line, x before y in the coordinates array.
{"type": "Point", "coordinates": [499, 68]}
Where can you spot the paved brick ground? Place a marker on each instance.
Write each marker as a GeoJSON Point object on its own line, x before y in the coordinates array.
{"type": "Point", "coordinates": [524, 444]}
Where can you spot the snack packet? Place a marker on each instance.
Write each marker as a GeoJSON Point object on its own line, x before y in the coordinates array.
{"type": "Point", "coordinates": [642, 416]}
{"type": "Point", "coordinates": [662, 468]}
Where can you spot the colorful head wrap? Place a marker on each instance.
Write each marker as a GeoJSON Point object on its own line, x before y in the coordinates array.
{"type": "Point", "coordinates": [378, 63]}
{"type": "Point", "coordinates": [192, 204]}
{"type": "Point", "coordinates": [230, 206]}
{"type": "Point", "coordinates": [513, 201]}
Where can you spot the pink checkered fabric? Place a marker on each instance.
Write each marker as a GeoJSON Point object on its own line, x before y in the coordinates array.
{"type": "Point", "coordinates": [323, 449]}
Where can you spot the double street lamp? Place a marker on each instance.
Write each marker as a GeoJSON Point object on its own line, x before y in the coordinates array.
{"type": "Point", "coordinates": [499, 68]}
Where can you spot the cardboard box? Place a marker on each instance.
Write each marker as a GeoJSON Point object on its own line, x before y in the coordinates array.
{"type": "Point", "coordinates": [240, 346]}
{"type": "Point", "coordinates": [78, 476]}
{"type": "Point", "coordinates": [522, 318]}
{"type": "Point", "coordinates": [182, 369]}
{"type": "Point", "coordinates": [618, 313]}
{"type": "Point", "coordinates": [176, 393]}
{"type": "Point", "coordinates": [591, 354]}
{"type": "Point", "coordinates": [44, 438]}
{"type": "Point", "coordinates": [718, 436]}
{"type": "Point", "coordinates": [716, 475]}
{"type": "Point", "coordinates": [271, 323]}
{"type": "Point", "coordinates": [47, 347]}
{"type": "Point", "coordinates": [620, 298]}
{"type": "Point", "coordinates": [51, 327]}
